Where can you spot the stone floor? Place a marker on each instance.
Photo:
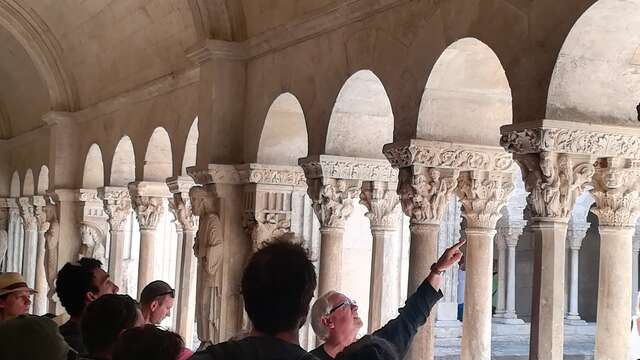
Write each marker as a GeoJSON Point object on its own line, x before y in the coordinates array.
{"type": "Point", "coordinates": [579, 343]}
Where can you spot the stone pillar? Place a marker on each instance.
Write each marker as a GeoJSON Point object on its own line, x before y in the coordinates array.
{"type": "Point", "coordinates": [510, 316]}
{"type": "Point", "coordinates": [40, 303]}
{"type": "Point", "coordinates": [634, 285]}
{"type": "Point", "coordinates": [501, 247]}
{"type": "Point", "coordinates": [616, 191]}
{"type": "Point", "coordinates": [483, 194]}
{"type": "Point", "coordinates": [186, 227]}
{"type": "Point", "coordinates": [575, 234]}
{"type": "Point", "coordinates": [4, 234]}
{"type": "Point", "coordinates": [117, 207]}
{"type": "Point", "coordinates": [148, 203]}
{"type": "Point", "coordinates": [30, 240]}
{"type": "Point", "coordinates": [381, 201]}
{"type": "Point", "coordinates": [15, 243]}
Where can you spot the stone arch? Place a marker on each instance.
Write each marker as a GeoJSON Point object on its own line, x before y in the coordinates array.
{"type": "Point", "coordinates": [28, 187]}
{"type": "Point", "coordinates": [191, 147]}
{"type": "Point", "coordinates": [123, 165]}
{"type": "Point", "coordinates": [361, 121]}
{"type": "Point", "coordinates": [284, 137]}
{"type": "Point", "coordinates": [14, 188]}
{"type": "Point", "coordinates": [158, 165]}
{"type": "Point", "coordinates": [596, 78]}
{"type": "Point", "coordinates": [93, 172]}
{"type": "Point", "coordinates": [43, 180]}
{"type": "Point", "coordinates": [467, 89]}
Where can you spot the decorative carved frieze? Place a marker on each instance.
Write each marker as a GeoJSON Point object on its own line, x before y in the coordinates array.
{"type": "Point", "coordinates": [382, 200]}
{"type": "Point", "coordinates": [264, 226]}
{"type": "Point", "coordinates": [439, 154]}
{"type": "Point", "coordinates": [215, 174]}
{"type": "Point", "coordinates": [554, 181]}
{"type": "Point", "coordinates": [572, 138]}
{"type": "Point", "coordinates": [333, 200]}
{"type": "Point", "coordinates": [425, 192]}
{"type": "Point", "coordinates": [483, 195]}
{"type": "Point", "coordinates": [117, 206]}
{"type": "Point", "coordinates": [348, 168]}
{"type": "Point", "coordinates": [617, 191]}
{"type": "Point", "coordinates": [272, 175]}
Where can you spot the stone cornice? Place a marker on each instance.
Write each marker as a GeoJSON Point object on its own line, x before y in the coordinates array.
{"type": "Point", "coordinates": [180, 184]}
{"type": "Point", "coordinates": [88, 195]}
{"type": "Point", "coordinates": [210, 49]}
{"type": "Point", "coordinates": [114, 193]}
{"type": "Point", "coordinates": [150, 189]}
{"type": "Point", "coordinates": [249, 174]}
{"type": "Point", "coordinates": [440, 154]}
{"type": "Point", "coordinates": [572, 138]}
{"type": "Point", "coordinates": [214, 174]}
{"type": "Point", "coordinates": [348, 168]}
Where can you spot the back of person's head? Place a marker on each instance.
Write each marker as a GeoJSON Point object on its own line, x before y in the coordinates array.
{"type": "Point", "coordinates": [105, 318]}
{"type": "Point", "coordinates": [73, 283]}
{"type": "Point", "coordinates": [31, 337]}
{"type": "Point", "coordinates": [277, 286]}
{"type": "Point", "coordinates": [148, 342]}
{"type": "Point", "coordinates": [369, 348]}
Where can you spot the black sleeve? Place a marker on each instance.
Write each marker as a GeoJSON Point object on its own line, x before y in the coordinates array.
{"type": "Point", "coordinates": [400, 331]}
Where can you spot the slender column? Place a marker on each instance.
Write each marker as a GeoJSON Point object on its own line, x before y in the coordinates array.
{"type": "Point", "coordinates": [575, 235]}
{"type": "Point", "coordinates": [501, 246]}
{"type": "Point", "coordinates": [447, 324]}
{"type": "Point", "coordinates": [117, 207]}
{"type": "Point", "coordinates": [381, 200]}
{"type": "Point", "coordinates": [634, 276]}
{"type": "Point", "coordinates": [30, 240]}
{"type": "Point", "coordinates": [510, 312]}
{"type": "Point", "coordinates": [13, 246]}
{"type": "Point", "coordinates": [40, 304]}
{"type": "Point", "coordinates": [616, 183]}
{"type": "Point", "coordinates": [483, 194]}
{"type": "Point", "coordinates": [424, 195]}
{"type": "Point", "coordinates": [186, 226]}
{"type": "Point", "coordinates": [4, 234]}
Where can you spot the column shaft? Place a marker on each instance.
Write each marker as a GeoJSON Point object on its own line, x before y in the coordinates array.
{"type": "Point", "coordinates": [634, 282]}
{"type": "Point", "coordinates": [147, 251]}
{"type": "Point", "coordinates": [380, 240]}
{"type": "Point", "coordinates": [29, 259]}
{"type": "Point", "coordinates": [511, 283]}
{"type": "Point", "coordinates": [573, 289]}
{"type": "Point", "coordinates": [330, 274]}
{"type": "Point", "coordinates": [116, 256]}
{"type": "Point", "coordinates": [476, 327]}
{"type": "Point", "coordinates": [186, 292]}
{"type": "Point", "coordinates": [40, 298]}
{"type": "Point", "coordinates": [500, 304]}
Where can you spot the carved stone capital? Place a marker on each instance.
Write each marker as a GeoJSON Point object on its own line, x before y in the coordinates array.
{"type": "Point", "coordinates": [348, 168]}
{"type": "Point", "coordinates": [616, 189]}
{"type": "Point", "coordinates": [483, 195]}
{"type": "Point", "coordinates": [554, 182]}
{"type": "Point", "coordinates": [438, 154]}
{"type": "Point", "coordinates": [264, 226]}
{"type": "Point", "coordinates": [27, 213]}
{"type": "Point", "coordinates": [149, 210]}
{"type": "Point", "coordinates": [180, 207]}
{"type": "Point", "coordinates": [509, 230]}
{"type": "Point", "coordinates": [576, 232]}
{"type": "Point", "coordinates": [382, 200]}
{"type": "Point", "coordinates": [425, 192]}
{"type": "Point", "coordinates": [215, 174]}
{"type": "Point", "coordinates": [333, 200]}
{"type": "Point", "coordinates": [117, 205]}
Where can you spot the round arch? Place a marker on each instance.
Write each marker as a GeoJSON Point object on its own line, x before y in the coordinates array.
{"type": "Point", "coordinates": [93, 171]}
{"type": "Point", "coordinates": [28, 187]}
{"type": "Point", "coordinates": [467, 89]}
{"type": "Point", "coordinates": [361, 121]}
{"type": "Point", "coordinates": [284, 137]}
{"type": "Point", "coordinates": [123, 165]}
{"type": "Point", "coordinates": [43, 180]}
{"type": "Point", "coordinates": [191, 147]}
{"type": "Point", "coordinates": [158, 165]}
{"type": "Point", "coordinates": [14, 188]}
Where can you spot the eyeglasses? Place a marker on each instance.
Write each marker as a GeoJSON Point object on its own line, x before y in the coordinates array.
{"type": "Point", "coordinates": [350, 303]}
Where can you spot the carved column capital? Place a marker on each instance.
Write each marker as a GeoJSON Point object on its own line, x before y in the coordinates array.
{"type": "Point", "coordinates": [117, 205]}
{"type": "Point", "coordinates": [576, 232]}
{"type": "Point", "coordinates": [28, 214]}
{"type": "Point", "coordinates": [333, 199]}
{"type": "Point", "coordinates": [180, 203]}
{"type": "Point", "coordinates": [483, 195]}
{"type": "Point", "coordinates": [617, 191]}
{"type": "Point", "coordinates": [425, 192]}
{"type": "Point", "coordinates": [382, 200]}
{"type": "Point", "coordinates": [149, 210]}
{"type": "Point", "coordinates": [509, 230]}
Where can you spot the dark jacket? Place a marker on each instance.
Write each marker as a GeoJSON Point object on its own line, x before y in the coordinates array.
{"type": "Point", "coordinates": [254, 348]}
{"type": "Point", "coordinates": [401, 330]}
{"type": "Point", "coordinates": [71, 333]}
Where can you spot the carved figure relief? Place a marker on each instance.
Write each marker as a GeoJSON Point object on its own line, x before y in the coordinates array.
{"type": "Point", "coordinates": [335, 202]}
{"type": "Point", "coordinates": [51, 249]}
{"type": "Point", "coordinates": [264, 227]}
{"type": "Point", "coordinates": [148, 209]}
{"type": "Point", "coordinates": [424, 196]}
{"type": "Point", "coordinates": [93, 243]}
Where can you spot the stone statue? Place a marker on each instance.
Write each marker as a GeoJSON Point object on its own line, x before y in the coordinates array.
{"type": "Point", "coordinates": [51, 249]}
{"type": "Point", "coordinates": [209, 251]}
{"type": "Point", "coordinates": [92, 243]}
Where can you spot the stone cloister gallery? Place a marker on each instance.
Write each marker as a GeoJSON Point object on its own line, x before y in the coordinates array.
{"type": "Point", "coordinates": [170, 138]}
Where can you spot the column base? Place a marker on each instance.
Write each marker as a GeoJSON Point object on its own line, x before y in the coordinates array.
{"type": "Point", "coordinates": [448, 329]}
{"type": "Point", "coordinates": [508, 321]}
{"type": "Point", "coordinates": [514, 329]}
{"type": "Point", "coordinates": [574, 320]}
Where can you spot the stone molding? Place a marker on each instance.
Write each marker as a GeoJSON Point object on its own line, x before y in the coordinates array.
{"type": "Point", "coordinates": [381, 200]}
{"type": "Point", "coordinates": [251, 173]}
{"type": "Point", "coordinates": [440, 154]}
{"type": "Point", "coordinates": [571, 138]}
{"type": "Point", "coordinates": [215, 174]}
{"type": "Point", "coordinates": [483, 195]}
{"type": "Point", "coordinates": [617, 192]}
{"type": "Point", "coordinates": [117, 205]}
{"type": "Point", "coordinates": [332, 200]}
{"type": "Point", "coordinates": [348, 168]}
{"type": "Point", "coordinates": [180, 184]}
{"type": "Point", "coordinates": [425, 193]}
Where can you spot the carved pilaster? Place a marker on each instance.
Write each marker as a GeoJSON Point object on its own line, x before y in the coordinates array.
{"type": "Point", "coordinates": [180, 203]}
{"type": "Point", "coordinates": [617, 192]}
{"type": "Point", "coordinates": [382, 200]}
{"type": "Point", "coordinates": [425, 192]}
{"type": "Point", "coordinates": [39, 204]}
{"type": "Point", "coordinates": [117, 206]}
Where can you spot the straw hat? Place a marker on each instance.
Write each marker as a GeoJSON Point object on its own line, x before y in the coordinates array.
{"type": "Point", "coordinates": [12, 282]}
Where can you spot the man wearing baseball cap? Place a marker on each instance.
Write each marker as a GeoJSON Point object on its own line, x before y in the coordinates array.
{"type": "Point", "coordinates": [15, 296]}
{"type": "Point", "coordinates": [156, 301]}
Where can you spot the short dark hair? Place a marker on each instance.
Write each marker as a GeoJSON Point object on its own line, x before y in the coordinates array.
{"type": "Point", "coordinates": [104, 319]}
{"type": "Point", "coordinates": [148, 342]}
{"type": "Point", "coordinates": [369, 348]}
{"type": "Point", "coordinates": [277, 286]}
{"type": "Point", "coordinates": [155, 290]}
{"type": "Point", "coordinates": [73, 283]}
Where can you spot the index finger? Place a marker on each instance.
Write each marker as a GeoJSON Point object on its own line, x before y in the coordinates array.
{"type": "Point", "coordinates": [459, 244]}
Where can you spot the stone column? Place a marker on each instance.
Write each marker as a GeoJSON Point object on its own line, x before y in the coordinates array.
{"type": "Point", "coordinates": [117, 207]}
{"type": "Point", "coordinates": [148, 203]}
{"type": "Point", "coordinates": [483, 194]}
{"type": "Point", "coordinates": [15, 244]}
{"type": "Point", "coordinates": [575, 235]}
{"type": "Point", "coordinates": [381, 201]}
{"type": "Point", "coordinates": [634, 285]}
{"type": "Point", "coordinates": [501, 246]}
{"type": "Point", "coordinates": [30, 240]}
{"type": "Point", "coordinates": [186, 227]}
{"type": "Point", "coordinates": [616, 191]}
{"type": "Point", "coordinates": [4, 234]}
{"type": "Point", "coordinates": [511, 240]}
{"type": "Point", "coordinates": [40, 303]}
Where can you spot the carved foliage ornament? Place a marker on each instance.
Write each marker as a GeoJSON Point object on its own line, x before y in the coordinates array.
{"type": "Point", "coordinates": [349, 168]}
{"type": "Point", "coordinates": [483, 195]}
{"type": "Point", "coordinates": [28, 215]}
{"type": "Point", "coordinates": [148, 209]}
{"type": "Point", "coordinates": [334, 202]}
{"type": "Point", "coordinates": [424, 195]}
{"type": "Point", "coordinates": [616, 190]}
{"type": "Point", "coordinates": [554, 182]}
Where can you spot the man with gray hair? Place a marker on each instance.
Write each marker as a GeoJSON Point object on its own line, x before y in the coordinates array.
{"type": "Point", "coordinates": [335, 319]}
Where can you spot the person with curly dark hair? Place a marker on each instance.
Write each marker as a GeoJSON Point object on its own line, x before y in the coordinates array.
{"type": "Point", "coordinates": [150, 342]}
{"type": "Point", "coordinates": [77, 285]}
{"type": "Point", "coordinates": [104, 320]}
